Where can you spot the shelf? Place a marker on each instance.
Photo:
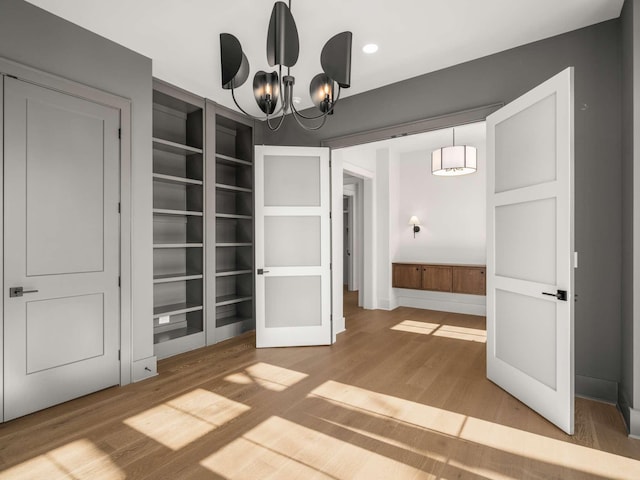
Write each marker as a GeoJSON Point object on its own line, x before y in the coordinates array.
{"type": "Point", "coordinates": [236, 244]}
{"type": "Point", "coordinates": [224, 321]}
{"type": "Point", "coordinates": [176, 333]}
{"type": "Point", "coordinates": [231, 160]}
{"type": "Point", "coordinates": [232, 188]}
{"type": "Point", "coordinates": [173, 147]}
{"type": "Point", "coordinates": [160, 177]}
{"type": "Point", "coordinates": [177, 245]}
{"type": "Point", "coordinates": [175, 309]}
{"type": "Point", "coordinates": [231, 272]}
{"type": "Point", "coordinates": [231, 299]}
{"type": "Point", "coordinates": [175, 278]}
{"type": "Point", "coordinates": [233, 215]}
{"type": "Point", "coordinates": [166, 211]}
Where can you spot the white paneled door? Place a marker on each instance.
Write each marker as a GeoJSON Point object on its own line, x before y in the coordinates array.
{"type": "Point", "coordinates": [61, 250]}
{"type": "Point", "coordinates": [530, 238]}
{"type": "Point", "coordinates": [293, 246]}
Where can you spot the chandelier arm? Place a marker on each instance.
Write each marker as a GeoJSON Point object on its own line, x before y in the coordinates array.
{"type": "Point", "coordinates": [322, 114]}
{"type": "Point", "coordinates": [305, 127]}
{"type": "Point", "coordinates": [279, 123]}
{"type": "Point", "coordinates": [233, 95]}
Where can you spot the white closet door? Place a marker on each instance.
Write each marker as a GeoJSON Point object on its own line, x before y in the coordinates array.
{"type": "Point", "coordinates": [530, 240]}
{"type": "Point", "coordinates": [62, 156]}
{"type": "Point", "coordinates": [293, 246]}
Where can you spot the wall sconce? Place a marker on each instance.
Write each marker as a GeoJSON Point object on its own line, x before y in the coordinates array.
{"type": "Point", "coordinates": [416, 225]}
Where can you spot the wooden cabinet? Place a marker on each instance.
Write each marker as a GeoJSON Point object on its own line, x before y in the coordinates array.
{"type": "Point", "coordinates": [470, 280]}
{"type": "Point", "coordinates": [467, 279]}
{"type": "Point", "coordinates": [436, 277]}
{"type": "Point", "coordinates": [406, 276]}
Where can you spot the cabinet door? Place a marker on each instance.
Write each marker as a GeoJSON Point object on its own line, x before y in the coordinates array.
{"type": "Point", "coordinates": [406, 276]}
{"type": "Point", "coordinates": [436, 278]}
{"type": "Point", "coordinates": [470, 280]}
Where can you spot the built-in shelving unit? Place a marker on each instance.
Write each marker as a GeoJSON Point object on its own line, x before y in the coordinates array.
{"type": "Point", "coordinates": [178, 220]}
{"type": "Point", "coordinates": [230, 305]}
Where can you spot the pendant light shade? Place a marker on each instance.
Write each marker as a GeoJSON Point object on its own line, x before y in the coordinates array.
{"type": "Point", "coordinates": [454, 160]}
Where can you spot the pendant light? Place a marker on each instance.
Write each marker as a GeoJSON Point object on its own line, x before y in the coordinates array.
{"type": "Point", "coordinates": [454, 159]}
{"type": "Point", "coordinates": [273, 91]}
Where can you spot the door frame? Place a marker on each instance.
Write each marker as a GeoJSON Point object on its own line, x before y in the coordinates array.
{"type": "Point", "coordinates": [69, 87]}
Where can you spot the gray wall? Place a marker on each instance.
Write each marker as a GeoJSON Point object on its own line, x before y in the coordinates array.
{"type": "Point", "coordinates": [626, 384]}
{"type": "Point", "coordinates": [38, 39]}
{"type": "Point", "coordinates": [595, 54]}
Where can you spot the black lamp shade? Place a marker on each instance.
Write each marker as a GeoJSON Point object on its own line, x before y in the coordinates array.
{"type": "Point", "coordinates": [336, 58]}
{"type": "Point", "coordinates": [266, 90]}
{"type": "Point", "coordinates": [283, 46]}
{"type": "Point", "coordinates": [234, 63]}
{"type": "Point", "coordinates": [321, 90]}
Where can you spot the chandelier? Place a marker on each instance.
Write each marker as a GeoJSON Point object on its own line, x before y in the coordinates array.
{"type": "Point", "coordinates": [273, 91]}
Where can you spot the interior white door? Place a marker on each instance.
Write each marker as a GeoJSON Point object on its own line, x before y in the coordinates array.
{"type": "Point", "coordinates": [61, 185]}
{"type": "Point", "coordinates": [530, 238]}
{"type": "Point", "coordinates": [293, 246]}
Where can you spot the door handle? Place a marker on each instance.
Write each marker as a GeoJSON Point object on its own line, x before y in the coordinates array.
{"type": "Point", "coordinates": [560, 295]}
{"type": "Point", "coordinates": [261, 271]}
{"type": "Point", "coordinates": [19, 291]}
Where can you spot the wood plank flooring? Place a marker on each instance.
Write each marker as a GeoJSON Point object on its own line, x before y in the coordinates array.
{"type": "Point", "coordinates": [401, 395]}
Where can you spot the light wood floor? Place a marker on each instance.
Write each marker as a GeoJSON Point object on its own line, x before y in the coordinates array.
{"type": "Point", "coordinates": [402, 394]}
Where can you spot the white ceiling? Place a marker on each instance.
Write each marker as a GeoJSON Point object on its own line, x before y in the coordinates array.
{"type": "Point", "coordinates": [415, 36]}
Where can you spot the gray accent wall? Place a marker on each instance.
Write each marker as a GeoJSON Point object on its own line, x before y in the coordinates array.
{"type": "Point", "coordinates": [38, 39]}
{"type": "Point", "coordinates": [596, 55]}
{"type": "Point", "coordinates": [629, 392]}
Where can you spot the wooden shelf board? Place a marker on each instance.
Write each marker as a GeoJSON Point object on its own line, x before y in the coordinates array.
{"type": "Point", "coordinates": [231, 160]}
{"type": "Point", "coordinates": [231, 299]}
{"type": "Point", "coordinates": [229, 273]}
{"type": "Point", "coordinates": [181, 332]}
{"type": "Point", "coordinates": [224, 321]}
{"type": "Point", "coordinates": [160, 177]}
{"type": "Point", "coordinates": [173, 147]}
{"type": "Point", "coordinates": [166, 211]}
{"type": "Point", "coordinates": [175, 278]}
{"type": "Point", "coordinates": [178, 245]}
{"type": "Point", "coordinates": [175, 309]}
{"type": "Point", "coordinates": [233, 188]}
{"type": "Point", "coordinates": [233, 215]}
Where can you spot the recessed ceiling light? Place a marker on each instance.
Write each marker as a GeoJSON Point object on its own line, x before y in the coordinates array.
{"type": "Point", "coordinates": [370, 48]}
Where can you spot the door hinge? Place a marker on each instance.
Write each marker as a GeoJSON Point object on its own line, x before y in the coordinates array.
{"type": "Point", "coordinates": [119, 207]}
{"type": "Point", "coordinates": [330, 266]}
{"type": "Point", "coordinates": [119, 133]}
{"type": "Point", "coordinates": [119, 281]}
{"type": "Point", "coordinates": [119, 355]}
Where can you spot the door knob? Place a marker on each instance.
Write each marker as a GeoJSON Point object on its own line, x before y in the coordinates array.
{"type": "Point", "coordinates": [262, 271]}
{"type": "Point", "coordinates": [19, 291]}
{"type": "Point", "coordinates": [560, 295]}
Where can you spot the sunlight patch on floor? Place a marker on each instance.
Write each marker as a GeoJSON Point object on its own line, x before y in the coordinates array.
{"type": "Point", "coordinates": [180, 421]}
{"type": "Point", "coordinates": [462, 333]}
{"type": "Point", "coordinates": [439, 330]}
{"type": "Point", "coordinates": [271, 377]}
{"type": "Point", "coordinates": [80, 460]}
{"type": "Point", "coordinates": [286, 449]}
{"type": "Point", "coordinates": [482, 432]}
{"type": "Point", "coordinates": [412, 326]}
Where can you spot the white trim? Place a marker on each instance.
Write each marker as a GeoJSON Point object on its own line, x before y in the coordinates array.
{"type": "Point", "coordinates": [69, 87]}
{"type": "Point", "coordinates": [443, 302]}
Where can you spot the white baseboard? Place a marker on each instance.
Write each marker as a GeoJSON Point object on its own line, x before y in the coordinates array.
{"type": "Point", "coordinates": [143, 369]}
{"type": "Point", "coordinates": [444, 302]}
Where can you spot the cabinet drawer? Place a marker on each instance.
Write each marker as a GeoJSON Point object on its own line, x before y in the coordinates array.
{"type": "Point", "coordinates": [469, 280]}
{"type": "Point", "coordinates": [436, 278]}
{"type": "Point", "coordinates": [406, 276]}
